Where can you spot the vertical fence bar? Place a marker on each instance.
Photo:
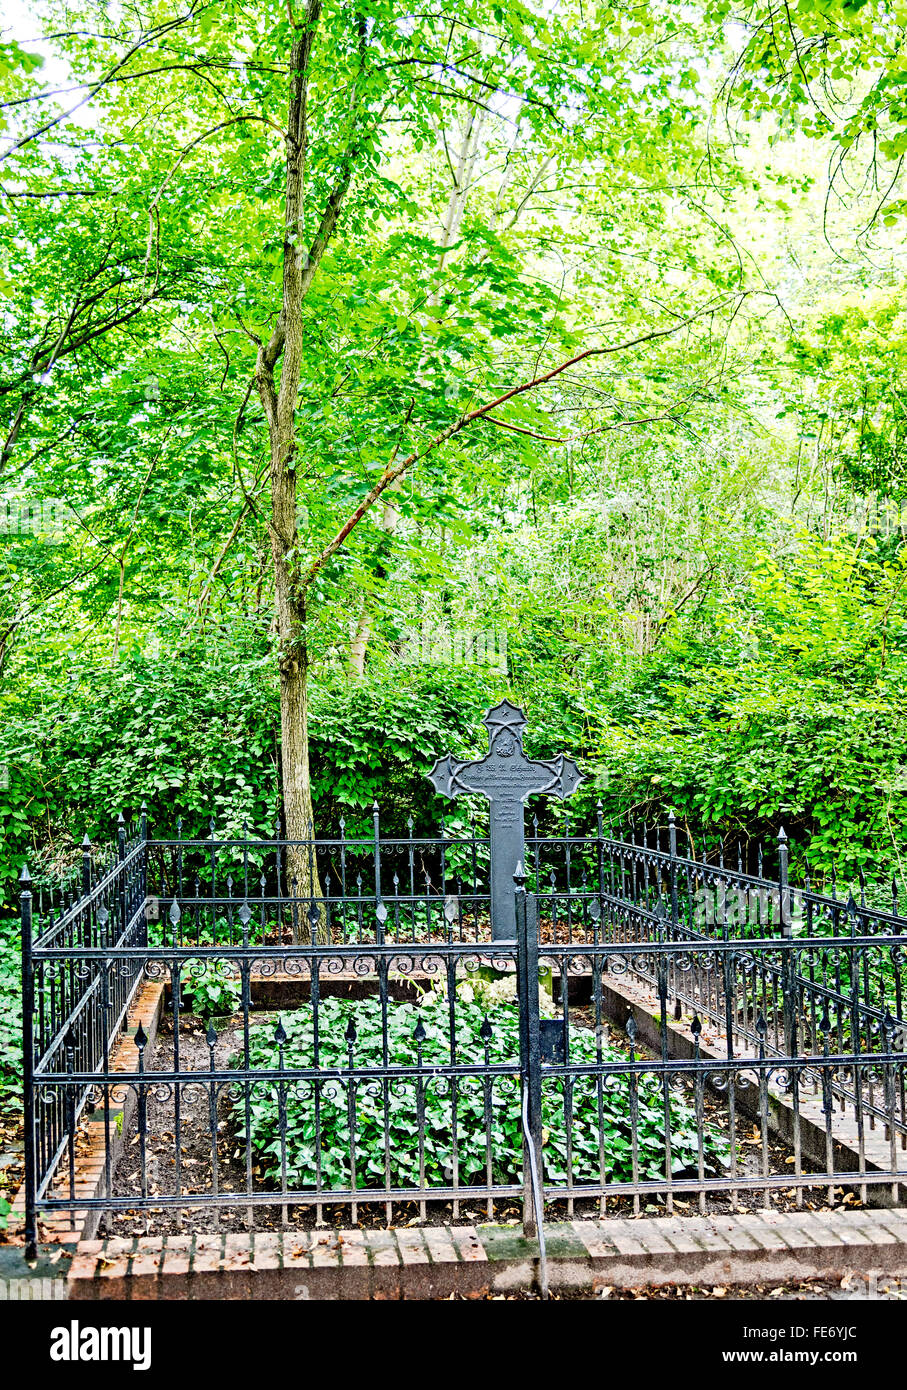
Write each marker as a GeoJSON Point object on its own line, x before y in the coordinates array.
{"type": "Point", "coordinates": [672, 851]}
{"type": "Point", "coordinates": [675, 915]}
{"type": "Point", "coordinates": [376, 824]}
{"type": "Point", "coordinates": [28, 1065]}
{"type": "Point", "coordinates": [661, 984]}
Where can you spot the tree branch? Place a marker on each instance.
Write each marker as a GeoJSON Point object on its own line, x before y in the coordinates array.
{"type": "Point", "coordinates": [158, 32]}
{"type": "Point", "coordinates": [394, 470]}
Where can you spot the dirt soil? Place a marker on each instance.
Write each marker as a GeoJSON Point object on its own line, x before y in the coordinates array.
{"type": "Point", "coordinates": [847, 1289]}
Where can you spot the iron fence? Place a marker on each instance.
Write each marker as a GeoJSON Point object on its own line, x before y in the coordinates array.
{"type": "Point", "coordinates": [658, 1029]}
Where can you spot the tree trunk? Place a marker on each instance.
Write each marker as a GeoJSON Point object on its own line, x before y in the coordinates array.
{"type": "Point", "coordinates": [301, 866]}
{"type": "Point", "coordinates": [299, 820]}
{"type": "Point", "coordinates": [286, 343]}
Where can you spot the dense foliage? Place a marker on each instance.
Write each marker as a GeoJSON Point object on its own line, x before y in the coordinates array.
{"type": "Point", "coordinates": [197, 737]}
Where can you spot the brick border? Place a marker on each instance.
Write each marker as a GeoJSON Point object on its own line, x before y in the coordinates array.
{"type": "Point", "coordinates": [433, 1262]}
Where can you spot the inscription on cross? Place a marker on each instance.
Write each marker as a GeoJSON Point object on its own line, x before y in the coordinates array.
{"type": "Point", "coordinates": [505, 777]}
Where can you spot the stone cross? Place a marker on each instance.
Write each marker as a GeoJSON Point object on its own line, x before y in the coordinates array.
{"type": "Point", "coordinates": [506, 777]}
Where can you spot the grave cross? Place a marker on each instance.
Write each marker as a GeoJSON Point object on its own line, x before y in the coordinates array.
{"type": "Point", "coordinates": [506, 777]}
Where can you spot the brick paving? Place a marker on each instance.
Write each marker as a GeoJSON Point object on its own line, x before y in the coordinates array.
{"type": "Point", "coordinates": [472, 1261]}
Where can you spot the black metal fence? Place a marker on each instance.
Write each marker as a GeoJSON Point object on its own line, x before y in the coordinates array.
{"type": "Point", "coordinates": [342, 1031]}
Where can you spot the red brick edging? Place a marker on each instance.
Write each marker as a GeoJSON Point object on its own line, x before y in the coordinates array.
{"type": "Point", "coordinates": [430, 1262]}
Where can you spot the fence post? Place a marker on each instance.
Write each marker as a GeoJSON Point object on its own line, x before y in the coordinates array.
{"type": "Point", "coordinates": [783, 885]}
{"type": "Point", "coordinates": [143, 881]}
{"type": "Point", "coordinates": [86, 866]}
{"type": "Point", "coordinates": [121, 879]}
{"type": "Point", "coordinates": [672, 848]}
{"type": "Point", "coordinates": [530, 1053]}
{"type": "Point", "coordinates": [788, 972]}
{"type": "Point", "coordinates": [28, 1065]}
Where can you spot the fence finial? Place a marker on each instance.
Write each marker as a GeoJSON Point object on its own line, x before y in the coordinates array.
{"type": "Point", "coordinates": [25, 878]}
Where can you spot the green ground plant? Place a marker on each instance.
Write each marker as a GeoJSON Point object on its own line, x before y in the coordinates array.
{"type": "Point", "coordinates": [209, 992]}
{"type": "Point", "coordinates": [601, 1115]}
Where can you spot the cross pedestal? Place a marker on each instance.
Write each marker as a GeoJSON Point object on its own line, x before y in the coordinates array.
{"type": "Point", "coordinates": [505, 777]}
